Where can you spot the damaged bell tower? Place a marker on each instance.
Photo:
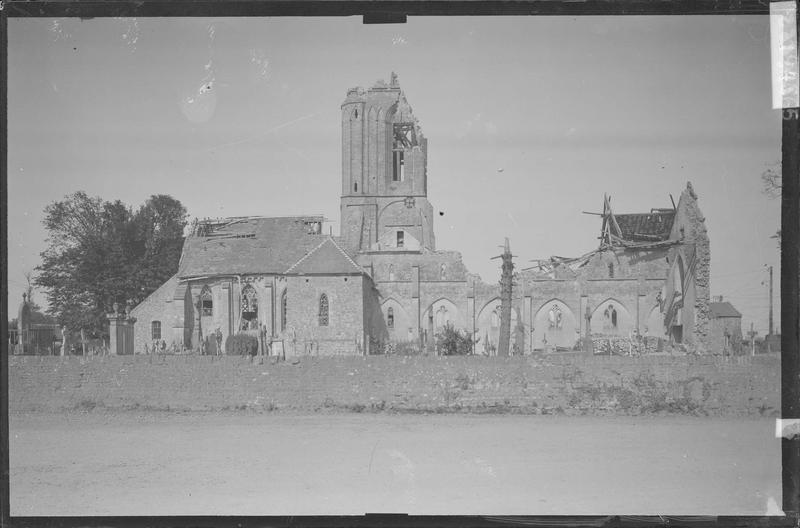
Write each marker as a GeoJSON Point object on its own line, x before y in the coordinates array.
{"type": "Point", "coordinates": [384, 204]}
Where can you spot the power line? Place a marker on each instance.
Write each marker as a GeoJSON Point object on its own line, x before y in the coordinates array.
{"type": "Point", "coordinates": [737, 274]}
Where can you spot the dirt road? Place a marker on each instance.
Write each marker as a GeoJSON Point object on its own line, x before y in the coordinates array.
{"type": "Point", "coordinates": [273, 464]}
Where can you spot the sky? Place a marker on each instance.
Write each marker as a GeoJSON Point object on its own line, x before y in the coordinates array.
{"type": "Point", "coordinates": [529, 122]}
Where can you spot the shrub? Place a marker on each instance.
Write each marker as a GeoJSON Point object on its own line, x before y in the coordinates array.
{"type": "Point", "coordinates": [241, 345]}
{"type": "Point", "coordinates": [403, 348]}
{"type": "Point", "coordinates": [452, 342]}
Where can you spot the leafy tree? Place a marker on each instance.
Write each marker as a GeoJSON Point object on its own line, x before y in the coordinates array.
{"type": "Point", "coordinates": [103, 252]}
{"type": "Point", "coordinates": [452, 342]}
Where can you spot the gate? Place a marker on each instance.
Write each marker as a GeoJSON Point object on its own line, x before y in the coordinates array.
{"type": "Point", "coordinates": [44, 340]}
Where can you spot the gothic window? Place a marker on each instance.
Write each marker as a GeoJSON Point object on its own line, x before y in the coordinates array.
{"type": "Point", "coordinates": [390, 318]}
{"type": "Point", "coordinates": [206, 302]}
{"type": "Point", "coordinates": [249, 308]}
{"type": "Point", "coordinates": [610, 315]}
{"type": "Point", "coordinates": [441, 317]}
{"type": "Point", "coordinates": [283, 310]}
{"type": "Point", "coordinates": [442, 271]}
{"type": "Point", "coordinates": [391, 272]}
{"type": "Point", "coordinates": [155, 330]}
{"type": "Point", "coordinates": [610, 270]}
{"type": "Point", "coordinates": [323, 310]}
{"type": "Point", "coordinates": [400, 238]}
{"type": "Point", "coordinates": [554, 317]}
{"type": "Point", "coordinates": [404, 138]}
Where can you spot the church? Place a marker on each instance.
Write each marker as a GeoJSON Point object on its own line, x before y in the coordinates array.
{"type": "Point", "coordinates": [382, 283]}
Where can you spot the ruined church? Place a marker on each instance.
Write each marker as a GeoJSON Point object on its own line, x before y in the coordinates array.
{"type": "Point", "coordinates": [383, 283]}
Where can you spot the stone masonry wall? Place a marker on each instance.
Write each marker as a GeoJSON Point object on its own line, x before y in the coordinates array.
{"type": "Point", "coordinates": [160, 306]}
{"type": "Point", "coordinates": [571, 384]}
{"type": "Point", "coordinates": [345, 316]}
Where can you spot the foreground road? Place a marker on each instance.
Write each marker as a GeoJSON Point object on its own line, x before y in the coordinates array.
{"type": "Point", "coordinates": [201, 464]}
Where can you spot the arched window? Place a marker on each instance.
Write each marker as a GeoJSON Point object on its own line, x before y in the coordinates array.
{"type": "Point", "coordinates": [390, 318]}
{"type": "Point", "coordinates": [613, 317]}
{"type": "Point", "coordinates": [249, 308]}
{"type": "Point", "coordinates": [323, 310]}
{"type": "Point", "coordinates": [441, 317]}
{"type": "Point", "coordinates": [610, 270]}
{"type": "Point", "coordinates": [554, 317]}
{"type": "Point", "coordinates": [391, 272]}
{"type": "Point", "coordinates": [155, 330]}
{"type": "Point", "coordinates": [443, 271]}
{"type": "Point", "coordinates": [283, 310]}
{"type": "Point", "coordinates": [206, 302]}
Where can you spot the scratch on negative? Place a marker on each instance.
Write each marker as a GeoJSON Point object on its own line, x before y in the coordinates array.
{"type": "Point", "coordinates": [267, 132]}
{"type": "Point", "coordinates": [372, 455]}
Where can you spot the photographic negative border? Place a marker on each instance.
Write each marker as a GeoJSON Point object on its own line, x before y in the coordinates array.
{"type": "Point", "coordinates": [397, 11]}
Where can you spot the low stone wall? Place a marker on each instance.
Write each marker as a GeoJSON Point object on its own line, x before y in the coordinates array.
{"type": "Point", "coordinates": [564, 383]}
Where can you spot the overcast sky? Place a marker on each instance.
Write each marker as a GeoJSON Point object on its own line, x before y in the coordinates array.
{"type": "Point", "coordinates": [529, 122]}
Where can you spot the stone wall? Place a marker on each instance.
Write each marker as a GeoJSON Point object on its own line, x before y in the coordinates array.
{"type": "Point", "coordinates": [695, 253]}
{"type": "Point", "coordinates": [571, 384]}
{"type": "Point", "coordinates": [159, 306]}
{"type": "Point", "coordinates": [345, 325]}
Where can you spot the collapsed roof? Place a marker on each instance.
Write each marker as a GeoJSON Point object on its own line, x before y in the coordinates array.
{"type": "Point", "coordinates": [619, 231]}
{"type": "Point", "coordinates": [246, 245]}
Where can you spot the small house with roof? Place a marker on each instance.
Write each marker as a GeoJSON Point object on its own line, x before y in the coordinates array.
{"type": "Point", "coordinates": [726, 328]}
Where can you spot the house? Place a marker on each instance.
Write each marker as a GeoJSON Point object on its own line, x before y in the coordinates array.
{"type": "Point", "coordinates": [726, 328]}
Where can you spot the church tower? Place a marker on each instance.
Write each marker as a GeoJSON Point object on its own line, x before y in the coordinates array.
{"type": "Point", "coordinates": [384, 204]}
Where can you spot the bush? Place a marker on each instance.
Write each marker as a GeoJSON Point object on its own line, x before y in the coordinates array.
{"type": "Point", "coordinates": [452, 342]}
{"type": "Point", "coordinates": [401, 348]}
{"type": "Point", "coordinates": [241, 345]}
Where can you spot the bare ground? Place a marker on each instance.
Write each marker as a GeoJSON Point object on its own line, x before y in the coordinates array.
{"type": "Point", "coordinates": [277, 464]}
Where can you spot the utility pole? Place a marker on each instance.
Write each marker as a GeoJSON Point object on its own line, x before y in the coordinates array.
{"type": "Point", "coordinates": [770, 303]}
{"type": "Point", "coordinates": [506, 285]}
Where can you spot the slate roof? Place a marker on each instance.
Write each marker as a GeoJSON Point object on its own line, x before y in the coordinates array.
{"type": "Point", "coordinates": [253, 245]}
{"type": "Point", "coordinates": [327, 258]}
{"type": "Point", "coordinates": [654, 226]}
{"type": "Point", "coordinates": [723, 309]}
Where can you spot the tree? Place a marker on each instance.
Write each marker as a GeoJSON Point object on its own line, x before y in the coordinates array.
{"type": "Point", "coordinates": [102, 252]}
{"type": "Point", "coordinates": [452, 342]}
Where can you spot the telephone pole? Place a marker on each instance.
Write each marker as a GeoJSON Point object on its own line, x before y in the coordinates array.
{"type": "Point", "coordinates": [770, 301]}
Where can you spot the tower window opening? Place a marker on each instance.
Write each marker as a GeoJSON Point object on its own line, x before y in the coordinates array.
{"type": "Point", "coordinates": [355, 187]}
{"type": "Point", "coordinates": [390, 318]}
{"type": "Point", "coordinates": [400, 239]}
{"type": "Point", "coordinates": [399, 166]}
{"type": "Point", "coordinates": [611, 270]}
{"type": "Point", "coordinates": [405, 137]}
